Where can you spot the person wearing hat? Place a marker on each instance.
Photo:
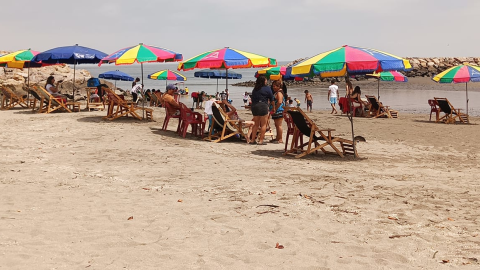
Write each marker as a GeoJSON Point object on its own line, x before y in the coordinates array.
{"type": "Point", "coordinates": [168, 98]}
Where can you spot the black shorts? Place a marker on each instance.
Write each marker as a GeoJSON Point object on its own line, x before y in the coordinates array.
{"type": "Point", "coordinates": [260, 109]}
{"type": "Point", "coordinates": [277, 115]}
{"type": "Point", "coordinates": [309, 103]}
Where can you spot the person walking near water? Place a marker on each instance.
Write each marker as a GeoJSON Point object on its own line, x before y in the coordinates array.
{"type": "Point", "coordinates": [308, 100]}
{"type": "Point", "coordinates": [332, 96]}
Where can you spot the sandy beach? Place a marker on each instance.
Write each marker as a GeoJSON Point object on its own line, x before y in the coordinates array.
{"type": "Point", "coordinates": [79, 192]}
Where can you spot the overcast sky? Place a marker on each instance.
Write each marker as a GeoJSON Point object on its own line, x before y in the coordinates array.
{"type": "Point", "coordinates": [281, 29]}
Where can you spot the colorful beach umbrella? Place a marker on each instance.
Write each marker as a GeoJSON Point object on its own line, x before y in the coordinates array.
{"type": "Point", "coordinates": [350, 60]}
{"type": "Point", "coordinates": [141, 54]}
{"type": "Point", "coordinates": [388, 76]}
{"type": "Point", "coordinates": [72, 55]}
{"type": "Point", "coordinates": [277, 73]}
{"type": "Point", "coordinates": [167, 75]}
{"type": "Point", "coordinates": [217, 74]}
{"type": "Point", "coordinates": [227, 58]}
{"type": "Point", "coordinates": [459, 74]}
{"type": "Point", "coordinates": [18, 59]}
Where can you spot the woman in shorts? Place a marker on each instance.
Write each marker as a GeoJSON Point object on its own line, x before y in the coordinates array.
{"type": "Point", "coordinates": [261, 98]}
{"type": "Point", "coordinates": [277, 115]}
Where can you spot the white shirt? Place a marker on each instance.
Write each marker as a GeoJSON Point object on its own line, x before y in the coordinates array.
{"type": "Point", "coordinates": [333, 90]}
{"type": "Point", "coordinates": [136, 89]}
{"type": "Point", "coordinates": [208, 107]}
{"type": "Point", "coordinates": [48, 88]}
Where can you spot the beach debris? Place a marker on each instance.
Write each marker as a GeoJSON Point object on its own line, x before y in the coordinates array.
{"type": "Point", "coordinates": [399, 235]}
{"type": "Point", "coordinates": [146, 188]}
{"type": "Point", "coordinates": [279, 246]}
{"type": "Point", "coordinates": [273, 192]}
{"type": "Point", "coordinates": [180, 200]}
{"type": "Point", "coordinates": [392, 217]}
{"type": "Point", "coordinates": [130, 218]}
{"type": "Point", "coordinates": [434, 254]}
{"type": "Point", "coordinates": [445, 261]}
{"type": "Point", "coordinates": [268, 205]}
{"type": "Point", "coordinates": [451, 219]}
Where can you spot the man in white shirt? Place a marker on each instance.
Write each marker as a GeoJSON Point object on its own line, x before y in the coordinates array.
{"type": "Point", "coordinates": [208, 111]}
{"type": "Point", "coordinates": [332, 96]}
{"type": "Point", "coordinates": [136, 92]}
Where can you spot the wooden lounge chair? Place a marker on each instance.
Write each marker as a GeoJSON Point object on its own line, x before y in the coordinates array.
{"type": "Point", "coordinates": [451, 115]}
{"type": "Point", "coordinates": [291, 130]}
{"type": "Point", "coordinates": [52, 103]}
{"type": "Point", "coordinates": [154, 102]}
{"type": "Point", "coordinates": [118, 107]}
{"type": "Point", "coordinates": [193, 119]}
{"type": "Point", "coordinates": [224, 126]}
{"type": "Point", "coordinates": [42, 102]}
{"type": "Point", "coordinates": [94, 103]}
{"type": "Point", "coordinates": [377, 109]}
{"type": "Point", "coordinates": [10, 99]}
{"type": "Point", "coordinates": [319, 139]}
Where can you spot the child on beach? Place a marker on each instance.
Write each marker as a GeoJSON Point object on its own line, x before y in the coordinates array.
{"type": "Point", "coordinates": [308, 100]}
{"type": "Point", "coordinates": [332, 96]}
{"type": "Point", "coordinates": [298, 102]}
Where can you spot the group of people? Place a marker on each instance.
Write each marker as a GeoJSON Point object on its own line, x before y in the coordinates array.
{"type": "Point", "coordinates": [353, 96]}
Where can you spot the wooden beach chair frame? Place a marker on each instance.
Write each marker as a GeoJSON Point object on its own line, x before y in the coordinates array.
{"type": "Point", "coordinates": [226, 126]}
{"type": "Point", "coordinates": [52, 103]}
{"type": "Point", "coordinates": [10, 99]}
{"type": "Point", "coordinates": [376, 109]}
{"type": "Point", "coordinates": [304, 126]}
{"type": "Point", "coordinates": [93, 105]}
{"type": "Point", "coordinates": [451, 115]}
{"type": "Point", "coordinates": [118, 107]}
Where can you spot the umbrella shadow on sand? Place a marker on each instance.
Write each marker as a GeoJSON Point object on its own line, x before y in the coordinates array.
{"type": "Point", "coordinates": [99, 119]}
{"type": "Point", "coordinates": [319, 156]}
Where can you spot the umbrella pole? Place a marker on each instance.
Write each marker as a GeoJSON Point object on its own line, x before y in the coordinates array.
{"type": "Point", "coordinates": [28, 80]}
{"type": "Point", "coordinates": [350, 117]}
{"type": "Point", "coordinates": [466, 93]}
{"type": "Point", "coordinates": [226, 85]}
{"type": "Point", "coordinates": [378, 94]}
{"type": "Point", "coordinates": [74, 64]}
{"type": "Point", "coordinates": [217, 87]}
{"type": "Point", "coordinates": [143, 95]}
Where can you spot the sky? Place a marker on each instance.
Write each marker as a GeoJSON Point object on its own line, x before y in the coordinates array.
{"type": "Point", "coordinates": [280, 29]}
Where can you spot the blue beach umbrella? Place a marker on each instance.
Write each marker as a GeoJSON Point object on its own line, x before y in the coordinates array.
{"type": "Point", "coordinates": [70, 55]}
{"type": "Point", "coordinates": [217, 74]}
{"type": "Point", "coordinates": [116, 75]}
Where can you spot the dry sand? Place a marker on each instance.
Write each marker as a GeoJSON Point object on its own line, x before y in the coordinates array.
{"type": "Point", "coordinates": [78, 192]}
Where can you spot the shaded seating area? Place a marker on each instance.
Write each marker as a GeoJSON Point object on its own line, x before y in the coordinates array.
{"type": "Point", "coordinates": [318, 139]}
{"type": "Point", "coordinates": [376, 109]}
{"type": "Point", "coordinates": [223, 127]}
{"type": "Point", "coordinates": [94, 101]}
{"type": "Point", "coordinates": [345, 103]}
{"type": "Point", "coordinates": [10, 99]}
{"type": "Point", "coordinates": [451, 115]}
{"type": "Point", "coordinates": [118, 107]}
{"type": "Point", "coordinates": [52, 103]}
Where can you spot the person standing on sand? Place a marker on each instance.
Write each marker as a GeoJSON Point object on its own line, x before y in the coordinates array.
{"type": "Point", "coordinates": [261, 97]}
{"type": "Point", "coordinates": [277, 115]}
{"type": "Point", "coordinates": [332, 96]}
{"type": "Point", "coordinates": [308, 100]}
{"type": "Point", "coordinates": [348, 88]}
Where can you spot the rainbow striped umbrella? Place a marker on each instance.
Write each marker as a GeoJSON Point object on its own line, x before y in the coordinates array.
{"type": "Point", "coordinates": [276, 73]}
{"type": "Point", "coordinates": [388, 76]}
{"type": "Point", "coordinates": [18, 59]}
{"type": "Point", "coordinates": [141, 54]}
{"type": "Point", "coordinates": [459, 74]}
{"type": "Point", "coordinates": [227, 58]}
{"type": "Point", "coordinates": [167, 75]}
{"type": "Point", "coordinates": [350, 60]}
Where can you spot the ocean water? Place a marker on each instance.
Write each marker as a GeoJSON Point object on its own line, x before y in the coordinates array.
{"type": "Point", "coordinates": [401, 99]}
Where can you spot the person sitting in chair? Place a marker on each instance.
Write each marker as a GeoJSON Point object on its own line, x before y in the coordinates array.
{"type": "Point", "coordinates": [168, 98]}
{"type": "Point", "coordinates": [357, 102]}
{"type": "Point", "coordinates": [53, 89]}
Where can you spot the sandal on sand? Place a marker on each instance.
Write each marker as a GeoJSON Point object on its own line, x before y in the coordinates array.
{"type": "Point", "coordinates": [274, 141]}
{"type": "Point", "coordinates": [252, 143]}
{"type": "Point", "coordinates": [263, 143]}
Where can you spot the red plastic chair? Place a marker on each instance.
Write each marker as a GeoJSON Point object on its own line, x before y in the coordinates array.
{"type": "Point", "coordinates": [168, 108]}
{"type": "Point", "coordinates": [190, 118]}
{"type": "Point", "coordinates": [290, 129]}
{"type": "Point", "coordinates": [434, 108]}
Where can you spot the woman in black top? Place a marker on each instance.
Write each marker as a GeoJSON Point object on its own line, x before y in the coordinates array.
{"type": "Point", "coordinates": [262, 96]}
